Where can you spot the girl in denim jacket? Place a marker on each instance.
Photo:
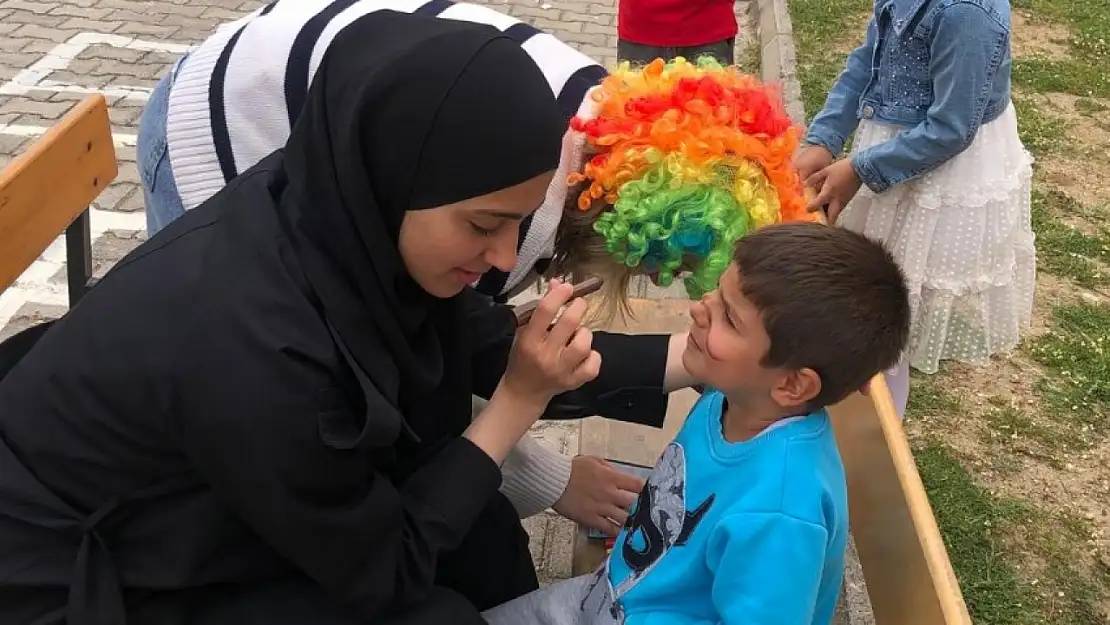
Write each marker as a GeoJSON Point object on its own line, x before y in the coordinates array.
{"type": "Point", "coordinates": [937, 173]}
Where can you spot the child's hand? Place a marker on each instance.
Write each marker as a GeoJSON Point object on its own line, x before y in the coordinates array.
{"type": "Point", "coordinates": [812, 159]}
{"type": "Point", "coordinates": [837, 184]}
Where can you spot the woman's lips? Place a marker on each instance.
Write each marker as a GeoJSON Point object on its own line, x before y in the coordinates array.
{"type": "Point", "coordinates": [467, 277]}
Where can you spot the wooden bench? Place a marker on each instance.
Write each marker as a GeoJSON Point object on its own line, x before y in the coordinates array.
{"type": "Point", "coordinates": [47, 190]}
{"type": "Point", "coordinates": [905, 566]}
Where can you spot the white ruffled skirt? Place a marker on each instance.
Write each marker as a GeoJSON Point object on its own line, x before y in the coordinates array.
{"type": "Point", "coordinates": [963, 236]}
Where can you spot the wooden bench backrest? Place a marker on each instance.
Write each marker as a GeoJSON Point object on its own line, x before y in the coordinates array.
{"type": "Point", "coordinates": [909, 576]}
{"type": "Point", "coordinates": [905, 565]}
{"type": "Point", "coordinates": [45, 189]}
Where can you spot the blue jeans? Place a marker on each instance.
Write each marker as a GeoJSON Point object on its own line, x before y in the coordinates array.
{"type": "Point", "coordinates": [163, 202]}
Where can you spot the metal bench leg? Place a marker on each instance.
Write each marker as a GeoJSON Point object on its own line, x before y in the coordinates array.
{"type": "Point", "coordinates": [79, 265]}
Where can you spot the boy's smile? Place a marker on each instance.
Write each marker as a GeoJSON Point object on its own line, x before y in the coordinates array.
{"type": "Point", "coordinates": [726, 349]}
{"type": "Point", "coordinates": [727, 338]}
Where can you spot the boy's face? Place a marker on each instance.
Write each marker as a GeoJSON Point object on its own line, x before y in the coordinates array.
{"type": "Point", "coordinates": [727, 344]}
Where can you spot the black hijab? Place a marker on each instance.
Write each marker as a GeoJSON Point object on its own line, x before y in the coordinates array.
{"type": "Point", "coordinates": [405, 112]}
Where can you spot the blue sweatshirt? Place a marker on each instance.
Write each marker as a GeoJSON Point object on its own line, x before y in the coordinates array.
{"type": "Point", "coordinates": [749, 533]}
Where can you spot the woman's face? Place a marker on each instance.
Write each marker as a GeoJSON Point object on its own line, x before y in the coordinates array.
{"type": "Point", "coordinates": [448, 247]}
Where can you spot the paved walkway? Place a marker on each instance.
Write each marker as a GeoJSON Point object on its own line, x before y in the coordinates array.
{"type": "Point", "coordinates": [53, 53]}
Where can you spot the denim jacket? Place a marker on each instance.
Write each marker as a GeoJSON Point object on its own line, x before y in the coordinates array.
{"type": "Point", "coordinates": [938, 68]}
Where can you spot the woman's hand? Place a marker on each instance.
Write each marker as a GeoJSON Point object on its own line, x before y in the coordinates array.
{"type": "Point", "coordinates": [547, 358]}
{"type": "Point", "coordinates": [553, 353]}
{"type": "Point", "coordinates": [598, 495]}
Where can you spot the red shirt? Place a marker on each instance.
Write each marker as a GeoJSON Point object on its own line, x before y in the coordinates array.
{"type": "Point", "coordinates": [676, 23]}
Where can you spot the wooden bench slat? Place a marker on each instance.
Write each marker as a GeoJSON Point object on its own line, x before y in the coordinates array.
{"type": "Point", "coordinates": [909, 577]}
{"type": "Point", "coordinates": [45, 189]}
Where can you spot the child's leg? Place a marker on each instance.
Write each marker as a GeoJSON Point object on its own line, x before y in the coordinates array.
{"type": "Point", "coordinates": [640, 54]}
{"type": "Point", "coordinates": [561, 603]}
{"type": "Point", "coordinates": [723, 51]}
{"type": "Point", "coordinates": [898, 379]}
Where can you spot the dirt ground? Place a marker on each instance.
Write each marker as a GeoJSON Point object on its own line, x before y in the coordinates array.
{"type": "Point", "coordinates": [1061, 468]}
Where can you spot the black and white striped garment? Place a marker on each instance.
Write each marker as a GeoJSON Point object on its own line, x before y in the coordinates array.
{"type": "Point", "coordinates": [238, 93]}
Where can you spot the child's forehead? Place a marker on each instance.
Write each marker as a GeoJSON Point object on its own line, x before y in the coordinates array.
{"type": "Point", "coordinates": [742, 312]}
{"type": "Point", "coordinates": [732, 291]}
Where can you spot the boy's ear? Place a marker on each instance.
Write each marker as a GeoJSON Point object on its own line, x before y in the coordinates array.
{"type": "Point", "coordinates": [797, 388]}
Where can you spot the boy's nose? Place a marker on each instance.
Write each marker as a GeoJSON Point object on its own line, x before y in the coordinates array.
{"type": "Point", "coordinates": [699, 314]}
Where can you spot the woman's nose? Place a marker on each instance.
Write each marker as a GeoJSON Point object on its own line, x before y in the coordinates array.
{"type": "Point", "coordinates": [502, 250]}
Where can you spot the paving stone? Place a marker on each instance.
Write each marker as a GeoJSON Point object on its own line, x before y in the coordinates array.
{"type": "Point", "coordinates": [29, 315]}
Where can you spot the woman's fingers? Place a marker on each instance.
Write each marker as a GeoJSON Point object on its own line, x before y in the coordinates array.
{"type": "Point", "coordinates": [568, 324]}
{"type": "Point", "coordinates": [616, 515]}
{"type": "Point", "coordinates": [578, 349]}
{"type": "Point", "coordinates": [559, 352]}
{"type": "Point", "coordinates": [628, 485]}
{"type": "Point", "coordinates": [587, 371]}
{"type": "Point", "coordinates": [625, 498]}
{"type": "Point", "coordinates": [603, 524]}
{"type": "Point", "coordinates": [547, 310]}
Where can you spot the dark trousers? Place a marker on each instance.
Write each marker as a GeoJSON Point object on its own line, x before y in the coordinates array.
{"type": "Point", "coordinates": [640, 54]}
{"type": "Point", "coordinates": [492, 565]}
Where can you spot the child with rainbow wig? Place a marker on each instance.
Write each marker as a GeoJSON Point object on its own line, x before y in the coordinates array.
{"type": "Point", "coordinates": [683, 159]}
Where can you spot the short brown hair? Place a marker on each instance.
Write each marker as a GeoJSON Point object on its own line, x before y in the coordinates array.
{"type": "Point", "coordinates": [831, 300]}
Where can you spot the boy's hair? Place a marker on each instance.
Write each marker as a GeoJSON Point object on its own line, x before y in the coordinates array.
{"type": "Point", "coordinates": [831, 300]}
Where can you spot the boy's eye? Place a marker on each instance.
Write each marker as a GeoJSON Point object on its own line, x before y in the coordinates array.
{"type": "Point", "coordinates": [728, 318]}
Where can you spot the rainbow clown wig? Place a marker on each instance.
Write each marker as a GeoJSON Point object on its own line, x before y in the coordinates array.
{"type": "Point", "coordinates": [688, 158]}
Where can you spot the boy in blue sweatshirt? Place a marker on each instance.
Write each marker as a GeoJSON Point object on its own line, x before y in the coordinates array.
{"type": "Point", "coordinates": [745, 516]}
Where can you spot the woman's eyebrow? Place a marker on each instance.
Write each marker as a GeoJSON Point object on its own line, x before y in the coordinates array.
{"type": "Point", "coordinates": [501, 214]}
{"type": "Point", "coordinates": [493, 212]}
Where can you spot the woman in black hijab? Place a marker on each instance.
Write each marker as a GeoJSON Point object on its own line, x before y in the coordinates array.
{"type": "Point", "coordinates": [287, 437]}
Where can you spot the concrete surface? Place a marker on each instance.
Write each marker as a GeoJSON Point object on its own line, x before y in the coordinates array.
{"type": "Point", "coordinates": [778, 61]}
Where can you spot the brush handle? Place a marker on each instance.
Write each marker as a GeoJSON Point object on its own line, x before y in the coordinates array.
{"type": "Point", "coordinates": [524, 312]}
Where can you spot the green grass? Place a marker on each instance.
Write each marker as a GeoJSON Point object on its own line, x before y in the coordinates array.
{"type": "Point", "coordinates": [1074, 76]}
{"type": "Point", "coordinates": [1088, 106]}
{"type": "Point", "coordinates": [972, 522]}
{"type": "Point", "coordinates": [1043, 134]}
{"type": "Point", "coordinates": [820, 26]}
{"type": "Point", "coordinates": [981, 533]}
{"type": "Point", "coordinates": [1076, 356]}
{"type": "Point", "coordinates": [1073, 598]}
{"type": "Point", "coordinates": [928, 399]}
{"type": "Point", "coordinates": [749, 58]}
{"type": "Point", "coordinates": [1083, 73]}
{"type": "Point", "coordinates": [1065, 251]}
{"type": "Point", "coordinates": [1014, 430]}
